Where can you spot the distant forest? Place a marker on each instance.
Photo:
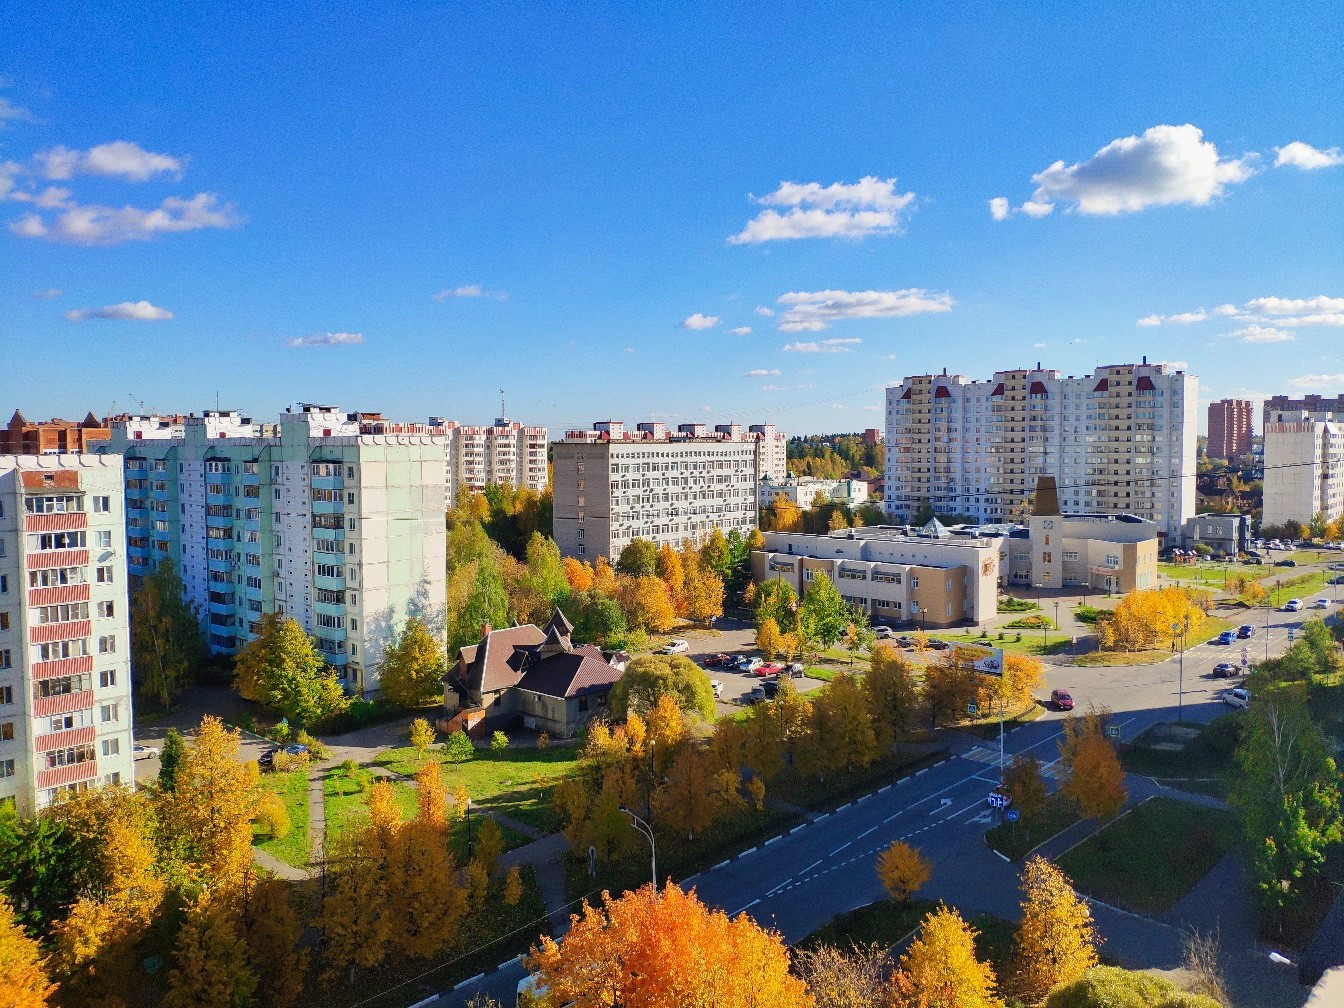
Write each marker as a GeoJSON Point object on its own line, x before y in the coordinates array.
{"type": "Point", "coordinates": [833, 456]}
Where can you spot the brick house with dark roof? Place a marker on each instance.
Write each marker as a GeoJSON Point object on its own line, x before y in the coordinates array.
{"type": "Point", "coordinates": [531, 677]}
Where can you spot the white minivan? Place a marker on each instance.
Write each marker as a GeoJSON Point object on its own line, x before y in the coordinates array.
{"type": "Point", "coordinates": [1293, 605]}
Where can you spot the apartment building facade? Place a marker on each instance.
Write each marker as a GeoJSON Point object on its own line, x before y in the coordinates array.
{"type": "Point", "coordinates": [1287, 409]}
{"type": "Point", "coordinates": [1119, 440]}
{"type": "Point", "coordinates": [1304, 467]}
{"type": "Point", "coordinates": [65, 683]}
{"type": "Point", "coordinates": [803, 491]}
{"type": "Point", "coordinates": [1230, 429]}
{"type": "Point", "coordinates": [476, 457]}
{"type": "Point", "coordinates": [342, 530]}
{"type": "Point", "coordinates": [613, 485]}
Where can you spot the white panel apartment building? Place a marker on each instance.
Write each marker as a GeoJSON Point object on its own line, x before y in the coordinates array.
{"type": "Point", "coordinates": [1304, 466]}
{"type": "Point", "coordinates": [65, 681]}
{"type": "Point", "coordinates": [614, 485]}
{"type": "Point", "coordinates": [341, 530]}
{"type": "Point", "coordinates": [477, 456]}
{"type": "Point", "coordinates": [1119, 440]}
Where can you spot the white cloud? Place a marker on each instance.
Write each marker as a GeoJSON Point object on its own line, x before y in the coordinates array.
{"type": "Point", "coordinates": [814, 311]}
{"type": "Point", "coordinates": [999, 208]}
{"type": "Point", "coordinates": [1033, 209]}
{"type": "Point", "coordinates": [470, 291]}
{"type": "Point", "coordinates": [836, 405]}
{"type": "Point", "coordinates": [698, 321]}
{"type": "Point", "coordinates": [47, 295]}
{"type": "Point", "coordinates": [9, 112]}
{"type": "Point", "coordinates": [1261, 334]}
{"type": "Point", "coordinates": [1038, 346]}
{"type": "Point", "coordinates": [1281, 312]}
{"type": "Point", "coordinates": [132, 311]}
{"type": "Point", "coordinates": [741, 330]}
{"type": "Point", "coordinates": [118, 159]}
{"type": "Point", "coordinates": [773, 388]}
{"type": "Point", "coordinates": [1176, 365]}
{"type": "Point", "coordinates": [329, 339]}
{"type": "Point", "coordinates": [763, 310]}
{"type": "Point", "coordinates": [1167, 165]}
{"type": "Point", "coordinates": [871, 409]}
{"type": "Point", "coordinates": [99, 225]}
{"type": "Point", "coordinates": [1300, 155]}
{"type": "Point", "coordinates": [840, 210]}
{"type": "Point", "coordinates": [761, 373]}
{"type": "Point", "coordinates": [1318, 381]}
{"type": "Point", "coordinates": [823, 346]}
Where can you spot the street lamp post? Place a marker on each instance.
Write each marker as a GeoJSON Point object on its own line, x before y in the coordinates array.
{"type": "Point", "coordinates": [1056, 616]}
{"type": "Point", "coordinates": [647, 830]}
{"type": "Point", "coordinates": [1181, 628]}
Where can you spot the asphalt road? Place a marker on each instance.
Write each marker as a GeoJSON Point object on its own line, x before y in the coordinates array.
{"type": "Point", "coordinates": [800, 880]}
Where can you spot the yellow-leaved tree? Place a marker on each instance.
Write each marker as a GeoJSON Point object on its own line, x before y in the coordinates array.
{"type": "Point", "coordinates": [902, 870]}
{"type": "Point", "coordinates": [650, 950]}
{"type": "Point", "coordinates": [1094, 777]}
{"type": "Point", "coordinates": [23, 974]}
{"type": "Point", "coordinates": [211, 958]}
{"type": "Point", "coordinates": [941, 971]}
{"type": "Point", "coordinates": [1056, 941]}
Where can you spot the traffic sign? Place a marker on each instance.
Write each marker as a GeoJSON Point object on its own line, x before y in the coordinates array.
{"type": "Point", "coordinates": [1290, 634]}
{"type": "Point", "coordinates": [997, 800]}
{"type": "Point", "coordinates": [972, 709]}
{"type": "Point", "coordinates": [1012, 815]}
{"type": "Point", "coordinates": [1112, 731]}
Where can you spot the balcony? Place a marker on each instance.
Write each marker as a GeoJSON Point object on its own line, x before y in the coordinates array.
{"type": "Point", "coordinates": [57, 558]}
{"type": "Point", "coordinates": [64, 704]}
{"type": "Point", "coordinates": [73, 774]}
{"type": "Point", "coordinates": [64, 739]}
{"type": "Point", "coordinates": [62, 667]}
{"type": "Point", "coordinates": [49, 632]}
{"type": "Point", "coordinates": [58, 594]}
{"type": "Point", "coordinates": [55, 522]}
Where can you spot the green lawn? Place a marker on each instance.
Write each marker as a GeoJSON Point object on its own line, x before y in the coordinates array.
{"type": "Point", "coordinates": [1015, 839]}
{"type": "Point", "coordinates": [1208, 575]}
{"type": "Point", "coordinates": [292, 787]}
{"type": "Point", "coordinates": [1149, 858]}
{"type": "Point", "coordinates": [1204, 766]}
{"type": "Point", "coordinates": [886, 923]}
{"type": "Point", "coordinates": [1295, 585]}
{"type": "Point", "coordinates": [514, 782]}
{"type": "Point", "coordinates": [1033, 642]}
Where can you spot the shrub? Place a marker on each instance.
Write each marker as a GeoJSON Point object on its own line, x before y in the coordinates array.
{"type": "Point", "coordinates": [316, 746]}
{"type": "Point", "coordinates": [285, 762]}
{"type": "Point", "coordinates": [1032, 623]}
{"type": "Point", "coordinates": [272, 816]}
{"type": "Point", "coordinates": [1008, 603]}
{"type": "Point", "coordinates": [1110, 987]}
{"type": "Point", "coordinates": [458, 747]}
{"type": "Point", "coordinates": [281, 732]}
{"type": "Point", "coordinates": [543, 740]}
{"type": "Point", "coordinates": [499, 741]}
{"type": "Point", "coordinates": [349, 768]}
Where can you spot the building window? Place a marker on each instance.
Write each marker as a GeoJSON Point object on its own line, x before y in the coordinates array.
{"type": "Point", "coordinates": [107, 645]}
{"type": "Point", "coordinates": [6, 768]}
{"type": "Point", "coordinates": [4, 659]}
{"type": "Point", "coordinates": [101, 505]}
{"type": "Point", "coordinates": [4, 621]}
{"type": "Point", "coordinates": [4, 584]}
{"type": "Point", "coordinates": [109, 713]}
{"type": "Point", "coordinates": [6, 731]}
{"type": "Point", "coordinates": [6, 695]}
{"type": "Point", "coordinates": [103, 575]}
{"type": "Point", "coordinates": [112, 747]}
{"type": "Point", "coordinates": [1047, 557]}
{"type": "Point", "coordinates": [108, 678]}
{"type": "Point", "coordinates": [1070, 555]}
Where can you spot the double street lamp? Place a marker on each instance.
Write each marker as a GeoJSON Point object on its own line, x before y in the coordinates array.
{"type": "Point", "coordinates": [647, 830]}
{"type": "Point", "coordinates": [1180, 628]}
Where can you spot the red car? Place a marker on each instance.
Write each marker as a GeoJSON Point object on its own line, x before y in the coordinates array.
{"type": "Point", "coordinates": [1062, 699]}
{"type": "Point", "coordinates": [715, 660]}
{"type": "Point", "coordinates": [769, 669]}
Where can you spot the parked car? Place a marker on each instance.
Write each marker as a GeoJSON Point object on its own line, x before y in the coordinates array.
{"type": "Point", "coordinates": [938, 645]}
{"type": "Point", "coordinates": [769, 669]}
{"type": "Point", "coordinates": [1337, 579]}
{"type": "Point", "coordinates": [1227, 637]}
{"type": "Point", "coordinates": [795, 670]}
{"type": "Point", "coordinates": [1238, 697]}
{"type": "Point", "coordinates": [715, 660]}
{"type": "Point", "coordinates": [1062, 699]}
{"type": "Point", "coordinates": [1225, 670]}
{"type": "Point", "coordinates": [1245, 630]}
{"type": "Point", "coordinates": [750, 665]}
{"type": "Point", "coordinates": [1254, 561]}
{"type": "Point", "coordinates": [676, 646]}
{"type": "Point", "coordinates": [267, 759]}
{"type": "Point", "coordinates": [144, 751]}
{"type": "Point", "coordinates": [717, 687]}
{"type": "Point", "coordinates": [753, 696]}
{"type": "Point", "coordinates": [1293, 605]}
{"type": "Point", "coordinates": [1285, 563]}
{"type": "Point", "coordinates": [1322, 603]}
{"type": "Point", "coordinates": [771, 687]}
{"type": "Point", "coordinates": [905, 642]}
{"type": "Point", "coordinates": [884, 632]}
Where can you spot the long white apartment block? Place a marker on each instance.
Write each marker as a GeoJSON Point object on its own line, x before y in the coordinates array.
{"type": "Point", "coordinates": [1304, 466]}
{"type": "Point", "coordinates": [1119, 440]}
{"type": "Point", "coordinates": [613, 485]}
{"type": "Point", "coordinates": [65, 681]}
{"type": "Point", "coordinates": [342, 530]}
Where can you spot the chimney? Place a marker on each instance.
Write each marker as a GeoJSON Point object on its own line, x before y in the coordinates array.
{"type": "Point", "coordinates": [486, 629]}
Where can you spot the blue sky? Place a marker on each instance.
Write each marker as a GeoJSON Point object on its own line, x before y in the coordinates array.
{"type": "Point", "coordinates": [409, 211]}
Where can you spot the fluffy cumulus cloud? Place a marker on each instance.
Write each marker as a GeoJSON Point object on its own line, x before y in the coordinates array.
{"type": "Point", "coordinates": [1166, 165]}
{"type": "Point", "coordinates": [89, 224]}
{"type": "Point", "coordinates": [1300, 155]}
{"type": "Point", "coordinates": [470, 291]}
{"type": "Point", "coordinates": [761, 373]}
{"type": "Point", "coordinates": [817, 310]}
{"type": "Point", "coordinates": [1275, 312]}
{"type": "Point", "coordinates": [822, 346]}
{"type": "Point", "coordinates": [841, 210]}
{"type": "Point", "coordinates": [698, 321]}
{"type": "Point", "coordinates": [741, 330]}
{"type": "Point", "coordinates": [763, 310]}
{"type": "Point", "coordinates": [127, 311]}
{"type": "Point", "coordinates": [1261, 334]}
{"type": "Point", "coordinates": [329, 339]}
{"type": "Point", "coordinates": [117, 159]}
{"type": "Point", "coordinates": [1318, 381]}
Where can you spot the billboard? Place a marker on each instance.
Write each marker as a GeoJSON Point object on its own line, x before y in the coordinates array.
{"type": "Point", "coordinates": [984, 659]}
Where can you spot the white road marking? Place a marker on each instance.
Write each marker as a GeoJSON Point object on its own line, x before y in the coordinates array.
{"type": "Point", "coordinates": [745, 908]}
{"type": "Point", "coordinates": [840, 848]}
{"type": "Point", "coordinates": [865, 833]}
{"type": "Point", "coordinates": [810, 867]}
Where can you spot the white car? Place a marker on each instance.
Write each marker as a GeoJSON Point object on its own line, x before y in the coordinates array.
{"type": "Point", "coordinates": [144, 752]}
{"type": "Point", "coordinates": [717, 687]}
{"type": "Point", "coordinates": [1238, 697]}
{"type": "Point", "coordinates": [1293, 605]}
{"type": "Point", "coordinates": [675, 646]}
{"type": "Point", "coordinates": [884, 632]}
{"type": "Point", "coordinates": [1322, 603]}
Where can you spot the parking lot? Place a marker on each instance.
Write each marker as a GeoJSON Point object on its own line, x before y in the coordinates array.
{"type": "Point", "coordinates": [735, 638]}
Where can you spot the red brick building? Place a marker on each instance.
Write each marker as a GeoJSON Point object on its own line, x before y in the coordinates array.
{"type": "Point", "coordinates": [1229, 428]}
{"type": "Point", "coordinates": [22, 437]}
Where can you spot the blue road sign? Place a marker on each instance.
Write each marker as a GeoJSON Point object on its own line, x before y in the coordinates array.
{"type": "Point", "coordinates": [1012, 815]}
{"type": "Point", "coordinates": [971, 709]}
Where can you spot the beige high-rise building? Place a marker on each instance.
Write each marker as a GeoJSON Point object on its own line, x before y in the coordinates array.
{"type": "Point", "coordinates": [1304, 467]}
{"type": "Point", "coordinates": [65, 677]}
{"type": "Point", "coordinates": [613, 485]}
{"type": "Point", "coordinates": [1119, 440]}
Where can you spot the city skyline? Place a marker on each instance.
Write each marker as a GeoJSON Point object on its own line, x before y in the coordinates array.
{"type": "Point", "coordinates": [463, 191]}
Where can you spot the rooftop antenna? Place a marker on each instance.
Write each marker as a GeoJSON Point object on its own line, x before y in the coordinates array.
{"type": "Point", "coordinates": [502, 411]}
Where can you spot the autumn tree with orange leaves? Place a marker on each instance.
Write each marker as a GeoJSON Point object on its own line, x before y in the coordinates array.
{"type": "Point", "coordinates": [1093, 777]}
{"type": "Point", "coordinates": [650, 950]}
{"type": "Point", "coordinates": [23, 975]}
{"type": "Point", "coordinates": [903, 870]}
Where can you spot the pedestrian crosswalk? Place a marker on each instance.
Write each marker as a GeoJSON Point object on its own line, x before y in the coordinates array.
{"type": "Point", "coordinates": [990, 757]}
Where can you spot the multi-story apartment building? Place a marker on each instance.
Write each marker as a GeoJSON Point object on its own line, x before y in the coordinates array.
{"type": "Point", "coordinates": [477, 456]}
{"type": "Point", "coordinates": [65, 683]}
{"type": "Point", "coordinates": [803, 491]}
{"type": "Point", "coordinates": [1230, 428]}
{"type": "Point", "coordinates": [47, 437]}
{"type": "Point", "coordinates": [1281, 409]}
{"type": "Point", "coordinates": [1304, 467]}
{"type": "Point", "coordinates": [341, 530]}
{"type": "Point", "coordinates": [1121, 439]}
{"type": "Point", "coordinates": [614, 485]}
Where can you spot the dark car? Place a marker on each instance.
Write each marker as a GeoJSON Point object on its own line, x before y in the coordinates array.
{"type": "Point", "coordinates": [1225, 670]}
{"type": "Point", "coordinates": [267, 759]}
{"type": "Point", "coordinates": [1245, 630]}
{"type": "Point", "coordinates": [1285, 563]}
{"type": "Point", "coordinates": [1255, 561]}
{"type": "Point", "coordinates": [938, 645]}
{"type": "Point", "coordinates": [771, 688]}
{"type": "Point", "coordinates": [753, 696]}
{"type": "Point", "coordinates": [1062, 699]}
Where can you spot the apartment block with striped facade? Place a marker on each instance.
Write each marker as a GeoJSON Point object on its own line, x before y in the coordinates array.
{"type": "Point", "coordinates": [342, 530]}
{"type": "Point", "coordinates": [65, 685]}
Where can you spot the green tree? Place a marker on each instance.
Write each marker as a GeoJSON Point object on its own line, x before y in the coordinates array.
{"type": "Point", "coordinates": [458, 748]}
{"type": "Point", "coordinates": [422, 737]}
{"type": "Point", "coordinates": [1112, 987]}
{"type": "Point", "coordinates": [170, 758]}
{"type": "Point", "coordinates": [597, 618]}
{"type": "Point", "coordinates": [1316, 527]}
{"type": "Point", "coordinates": [411, 674]}
{"type": "Point", "coordinates": [776, 600]}
{"type": "Point", "coordinates": [649, 677]}
{"type": "Point", "coordinates": [639, 558]}
{"type": "Point", "coordinates": [858, 636]}
{"type": "Point", "coordinates": [823, 614]}
{"type": "Point", "coordinates": [252, 658]}
{"type": "Point", "coordinates": [475, 593]}
{"type": "Point", "coordinates": [40, 862]}
{"type": "Point", "coordinates": [715, 554]}
{"type": "Point", "coordinates": [499, 741]}
{"type": "Point", "coordinates": [167, 645]}
{"type": "Point", "coordinates": [296, 682]}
